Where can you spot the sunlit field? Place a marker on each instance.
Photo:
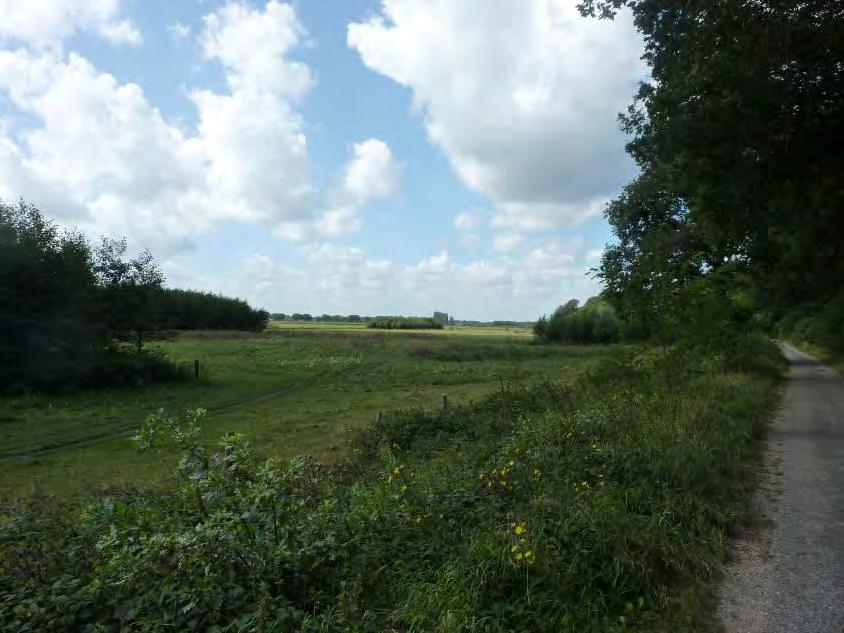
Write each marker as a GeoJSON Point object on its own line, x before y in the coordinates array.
{"type": "Point", "coordinates": [297, 388]}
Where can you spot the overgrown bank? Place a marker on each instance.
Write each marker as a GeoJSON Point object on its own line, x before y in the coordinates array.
{"type": "Point", "coordinates": [600, 504]}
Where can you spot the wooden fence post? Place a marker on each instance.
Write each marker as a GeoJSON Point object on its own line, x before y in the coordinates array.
{"type": "Point", "coordinates": [196, 369]}
{"type": "Point", "coordinates": [445, 401]}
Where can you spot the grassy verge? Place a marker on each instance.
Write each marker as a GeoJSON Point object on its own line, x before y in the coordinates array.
{"type": "Point", "coordinates": [600, 504]}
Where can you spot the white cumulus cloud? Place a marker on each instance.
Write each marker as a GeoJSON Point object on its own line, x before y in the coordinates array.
{"type": "Point", "coordinates": [372, 173]}
{"type": "Point", "coordinates": [521, 95]}
{"type": "Point", "coordinates": [96, 153]}
{"type": "Point", "coordinates": [46, 23]}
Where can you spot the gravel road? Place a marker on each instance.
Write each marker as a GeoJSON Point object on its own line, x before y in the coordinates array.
{"type": "Point", "coordinates": [787, 572]}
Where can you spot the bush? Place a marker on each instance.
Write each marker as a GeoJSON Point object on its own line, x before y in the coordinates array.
{"type": "Point", "coordinates": [818, 323]}
{"type": "Point", "coordinates": [600, 505]}
{"type": "Point", "coordinates": [404, 323]}
{"type": "Point", "coordinates": [595, 322]}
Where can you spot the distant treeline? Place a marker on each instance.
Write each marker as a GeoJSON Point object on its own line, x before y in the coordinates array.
{"type": "Point", "coordinates": [323, 318]}
{"type": "Point", "coordinates": [192, 310]}
{"type": "Point", "coordinates": [595, 322]}
{"type": "Point", "coordinates": [74, 314]}
{"type": "Point", "coordinates": [404, 323]}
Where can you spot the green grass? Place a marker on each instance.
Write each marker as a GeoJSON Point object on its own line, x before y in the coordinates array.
{"type": "Point", "coordinates": [296, 388]}
{"type": "Point", "coordinates": [601, 501]}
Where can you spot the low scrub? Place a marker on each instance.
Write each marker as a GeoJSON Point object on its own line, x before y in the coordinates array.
{"type": "Point", "coordinates": [602, 504]}
{"type": "Point", "coordinates": [404, 323]}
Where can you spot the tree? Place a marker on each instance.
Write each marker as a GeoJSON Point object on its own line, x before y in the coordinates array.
{"type": "Point", "coordinates": [130, 291]}
{"type": "Point", "coordinates": [737, 137]}
{"type": "Point", "coordinates": [595, 322]}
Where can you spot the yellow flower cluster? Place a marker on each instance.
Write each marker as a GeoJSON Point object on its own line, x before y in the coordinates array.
{"type": "Point", "coordinates": [521, 551]}
{"type": "Point", "coordinates": [499, 477]}
{"type": "Point", "coordinates": [400, 477]}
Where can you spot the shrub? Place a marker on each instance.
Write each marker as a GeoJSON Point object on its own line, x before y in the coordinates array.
{"type": "Point", "coordinates": [404, 323]}
{"type": "Point", "coordinates": [595, 322]}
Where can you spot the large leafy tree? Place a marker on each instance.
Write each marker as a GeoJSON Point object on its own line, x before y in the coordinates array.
{"type": "Point", "coordinates": [738, 135]}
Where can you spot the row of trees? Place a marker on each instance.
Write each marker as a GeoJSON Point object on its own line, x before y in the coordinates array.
{"type": "Point", "coordinates": [439, 317]}
{"type": "Point", "coordinates": [322, 318]}
{"type": "Point", "coordinates": [594, 322]}
{"type": "Point", "coordinates": [192, 310]}
{"type": "Point", "coordinates": [404, 323]}
{"type": "Point", "coordinates": [70, 310]}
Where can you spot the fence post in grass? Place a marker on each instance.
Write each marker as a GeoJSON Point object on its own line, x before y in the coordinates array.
{"type": "Point", "coordinates": [378, 417]}
{"type": "Point", "coordinates": [445, 401]}
{"type": "Point", "coordinates": [196, 369]}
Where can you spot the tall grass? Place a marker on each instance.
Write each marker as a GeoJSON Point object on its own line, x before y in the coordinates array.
{"type": "Point", "coordinates": [600, 504]}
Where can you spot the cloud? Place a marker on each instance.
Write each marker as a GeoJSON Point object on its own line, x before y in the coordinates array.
{"type": "Point", "coordinates": [97, 154]}
{"type": "Point", "coordinates": [372, 173]}
{"type": "Point", "coordinates": [467, 221]}
{"type": "Point", "coordinates": [253, 44]}
{"type": "Point", "coordinates": [340, 279]}
{"type": "Point", "coordinates": [47, 23]}
{"type": "Point", "coordinates": [180, 31]}
{"type": "Point", "coordinates": [102, 154]}
{"type": "Point", "coordinates": [508, 242]}
{"type": "Point", "coordinates": [521, 95]}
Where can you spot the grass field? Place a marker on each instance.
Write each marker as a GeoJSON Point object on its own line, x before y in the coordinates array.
{"type": "Point", "coordinates": [603, 501]}
{"type": "Point", "coordinates": [297, 388]}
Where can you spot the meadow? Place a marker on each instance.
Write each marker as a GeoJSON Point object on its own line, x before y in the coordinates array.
{"type": "Point", "coordinates": [564, 488]}
{"type": "Point", "coordinates": [295, 388]}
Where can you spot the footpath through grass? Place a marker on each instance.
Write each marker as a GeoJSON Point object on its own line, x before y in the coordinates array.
{"type": "Point", "coordinates": [602, 503]}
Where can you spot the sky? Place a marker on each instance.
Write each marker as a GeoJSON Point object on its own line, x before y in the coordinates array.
{"type": "Point", "coordinates": [327, 156]}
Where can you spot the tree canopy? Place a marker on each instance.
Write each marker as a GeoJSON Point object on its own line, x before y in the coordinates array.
{"type": "Point", "coordinates": [737, 135]}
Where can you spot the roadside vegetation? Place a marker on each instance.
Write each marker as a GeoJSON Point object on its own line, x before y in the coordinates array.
{"type": "Point", "coordinates": [817, 327]}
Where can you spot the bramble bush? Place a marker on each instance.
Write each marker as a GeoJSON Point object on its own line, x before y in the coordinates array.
{"type": "Point", "coordinates": [600, 504]}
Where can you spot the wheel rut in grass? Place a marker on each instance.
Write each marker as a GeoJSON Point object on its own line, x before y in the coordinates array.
{"type": "Point", "coordinates": [125, 430]}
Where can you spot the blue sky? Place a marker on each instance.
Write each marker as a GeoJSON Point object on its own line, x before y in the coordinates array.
{"type": "Point", "coordinates": [364, 156]}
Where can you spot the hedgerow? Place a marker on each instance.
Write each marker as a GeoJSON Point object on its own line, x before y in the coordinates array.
{"type": "Point", "coordinates": [599, 504]}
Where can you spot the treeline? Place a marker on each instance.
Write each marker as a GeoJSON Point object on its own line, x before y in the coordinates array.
{"type": "Point", "coordinates": [322, 318]}
{"type": "Point", "coordinates": [75, 314]}
{"type": "Point", "coordinates": [594, 322]}
{"type": "Point", "coordinates": [404, 323]}
{"type": "Point", "coordinates": [193, 310]}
